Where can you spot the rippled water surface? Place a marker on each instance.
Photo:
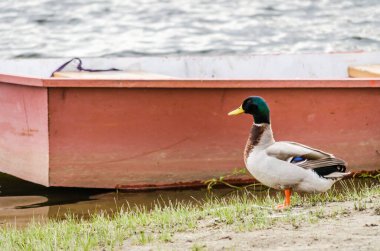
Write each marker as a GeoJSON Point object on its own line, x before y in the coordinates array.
{"type": "Point", "coordinates": [66, 28]}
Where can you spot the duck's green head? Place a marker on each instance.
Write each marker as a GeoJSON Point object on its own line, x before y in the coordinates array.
{"type": "Point", "coordinates": [257, 107]}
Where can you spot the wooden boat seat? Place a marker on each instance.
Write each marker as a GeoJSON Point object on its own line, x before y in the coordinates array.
{"type": "Point", "coordinates": [364, 71]}
{"type": "Point", "coordinates": [137, 75]}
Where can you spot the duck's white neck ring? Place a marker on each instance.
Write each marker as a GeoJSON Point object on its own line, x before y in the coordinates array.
{"type": "Point", "coordinates": [259, 125]}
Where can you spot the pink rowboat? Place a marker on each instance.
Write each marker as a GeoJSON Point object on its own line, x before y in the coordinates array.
{"type": "Point", "coordinates": [162, 121]}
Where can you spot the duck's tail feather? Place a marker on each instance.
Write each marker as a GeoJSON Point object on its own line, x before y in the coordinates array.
{"type": "Point", "coordinates": [336, 175]}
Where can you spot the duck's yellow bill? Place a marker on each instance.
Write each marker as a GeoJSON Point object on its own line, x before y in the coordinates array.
{"type": "Point", "coordinates": [236, 111]}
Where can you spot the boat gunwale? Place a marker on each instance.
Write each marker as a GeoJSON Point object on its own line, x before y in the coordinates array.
{"type": "Point", "coordinates": [191, 83]}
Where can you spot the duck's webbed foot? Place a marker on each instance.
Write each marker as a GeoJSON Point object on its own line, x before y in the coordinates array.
{"type": "Point", "coordinates": [288, 193]}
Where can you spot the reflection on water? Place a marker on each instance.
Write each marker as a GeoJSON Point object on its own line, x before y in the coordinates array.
{"type": "Point", "coordinates": [22, 201]}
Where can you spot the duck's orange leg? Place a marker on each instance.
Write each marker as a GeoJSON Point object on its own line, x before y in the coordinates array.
{"type": "Point", "coordinates": [288, 194]}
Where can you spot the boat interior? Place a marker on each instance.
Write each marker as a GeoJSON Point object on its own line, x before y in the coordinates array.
{"type": "Point", "coordinates": [282, 66]}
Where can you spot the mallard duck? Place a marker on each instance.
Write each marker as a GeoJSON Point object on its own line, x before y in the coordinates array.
{"type": "Point", "coordinates": [285, 165]}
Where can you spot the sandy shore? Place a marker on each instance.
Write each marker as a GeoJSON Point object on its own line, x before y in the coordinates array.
{"type": "Point", "coordinates": [351, 229]}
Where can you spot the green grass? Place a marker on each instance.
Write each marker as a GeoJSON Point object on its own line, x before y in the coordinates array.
{"type": "Point", "coordinates": [241, 211]}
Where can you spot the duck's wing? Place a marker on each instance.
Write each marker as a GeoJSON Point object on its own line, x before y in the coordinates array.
{"type": "Point", "coordinates": [324, 164]}
{"type": "Point", "coordinates": [286, 149]}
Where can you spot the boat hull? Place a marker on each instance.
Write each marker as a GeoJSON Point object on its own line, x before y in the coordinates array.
{"type": "Point", "coordinates": [171, 133]}
{"type": "Point", "coordinates": [146, 137]}
{"type": "Point", "coordinates": [24, 139]}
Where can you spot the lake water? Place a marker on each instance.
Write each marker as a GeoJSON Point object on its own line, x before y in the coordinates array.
{"type": "Point", "coordinates": [68, 28]}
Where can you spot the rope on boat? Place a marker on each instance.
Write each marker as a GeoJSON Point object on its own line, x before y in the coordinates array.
{"type": "Point", "coordinates": [79, 67]}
